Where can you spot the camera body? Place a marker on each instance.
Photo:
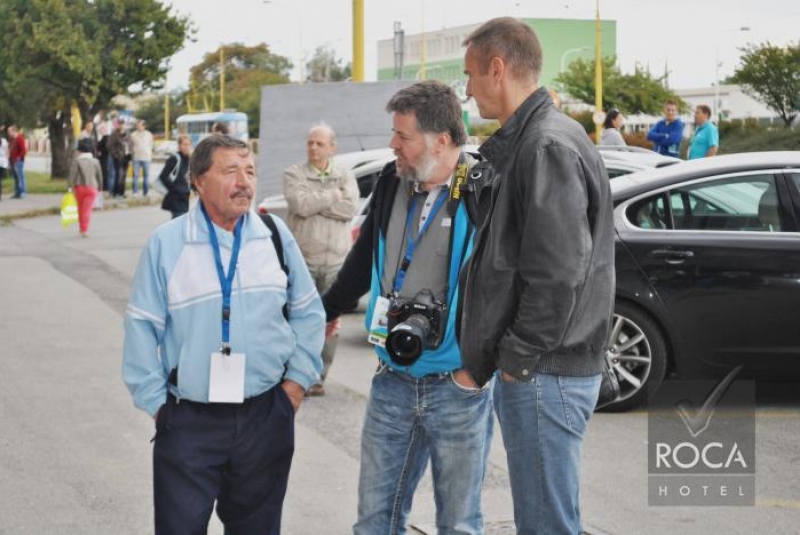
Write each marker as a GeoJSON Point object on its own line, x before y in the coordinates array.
{"type": "Point", "coordinates": [414, 325]}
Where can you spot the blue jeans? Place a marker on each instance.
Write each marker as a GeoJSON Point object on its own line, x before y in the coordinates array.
{"type": "Point", "coordinates": [112, 175]}
{"type": "Point", "coordinates": [543, 424]}
{"type": "Point", "coordinates": [408, 421]}
{"type": "Point", "coordinates": [20, 188]}
{"type": "Point", "coordinates": [144, 165]}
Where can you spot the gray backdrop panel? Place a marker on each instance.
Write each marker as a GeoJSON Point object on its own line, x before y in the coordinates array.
{"type": "Point", "coordinates": [354, 110]}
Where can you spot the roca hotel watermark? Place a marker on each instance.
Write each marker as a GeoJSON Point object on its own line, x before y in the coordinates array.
{"type": "Point", "coordinates": [701, 443]}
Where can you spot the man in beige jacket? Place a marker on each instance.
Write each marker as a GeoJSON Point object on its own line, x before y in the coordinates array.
{"type": "Point", "coordinates": [322, 198]}
{"type": "Point", "coordinates": [141, 141]}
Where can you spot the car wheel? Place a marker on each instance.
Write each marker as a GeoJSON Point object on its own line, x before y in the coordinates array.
{"type": "Point", "coordinates": [638, 353]}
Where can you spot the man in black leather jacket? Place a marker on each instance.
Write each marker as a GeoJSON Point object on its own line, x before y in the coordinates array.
{"type": "Point", "coordinates": [539, 288]}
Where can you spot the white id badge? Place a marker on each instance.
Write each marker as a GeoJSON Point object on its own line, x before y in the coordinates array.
{"type": "Point", "coordinates": [226, 378]}
{"type": "Point", "coordinates": [379, 328]}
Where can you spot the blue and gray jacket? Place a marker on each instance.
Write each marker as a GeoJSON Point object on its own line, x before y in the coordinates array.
{"type": "Point", "coordinates": [173, 319]}
{"type": "Point", "coordinates": [364, 265]}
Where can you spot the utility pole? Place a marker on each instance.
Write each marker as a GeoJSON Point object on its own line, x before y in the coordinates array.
{"type": "Point", "coordinates": [222, 78]}
{"type": "Point", "coordinates": [598, 75]}
{"type": "Point", "coordinates": [358, 41]}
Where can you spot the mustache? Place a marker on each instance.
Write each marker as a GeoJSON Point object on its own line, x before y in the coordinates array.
{"type": "Point", "coordinates": [245, 193]}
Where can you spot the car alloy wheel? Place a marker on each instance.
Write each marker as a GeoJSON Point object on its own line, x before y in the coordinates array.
{"type": "Point", "coordinates": [638, 354]}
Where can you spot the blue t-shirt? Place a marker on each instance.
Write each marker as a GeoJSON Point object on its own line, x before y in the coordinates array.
{"type": "Point", "coordinates": [705, 137]}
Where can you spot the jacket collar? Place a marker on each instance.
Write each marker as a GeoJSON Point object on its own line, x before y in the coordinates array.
{"type": "Point", "coordinates": [498, 147]}
{"type": "Point", "coordinates": [195, 229]}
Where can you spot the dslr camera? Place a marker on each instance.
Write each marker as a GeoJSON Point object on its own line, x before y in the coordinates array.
{"type": "Point", "coordinates": [414, 325]}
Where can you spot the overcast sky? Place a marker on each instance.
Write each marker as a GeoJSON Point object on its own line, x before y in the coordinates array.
{"type": "Point", "coordinates": [686, 35]}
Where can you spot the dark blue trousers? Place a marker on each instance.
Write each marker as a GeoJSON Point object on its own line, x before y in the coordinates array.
{"type": "Point", "coordinates": [236, 454]}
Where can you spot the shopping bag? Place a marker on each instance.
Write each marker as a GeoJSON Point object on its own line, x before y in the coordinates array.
{"type": "Point", "coordinates": [98, 201]}
{"type": "Point", "coordinates": [69, 209]}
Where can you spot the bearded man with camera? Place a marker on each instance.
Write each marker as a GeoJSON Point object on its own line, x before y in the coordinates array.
{"type": "Point", "coordinates": [422, 404]}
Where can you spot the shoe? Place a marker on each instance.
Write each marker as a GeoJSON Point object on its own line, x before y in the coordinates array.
{"type": "Point", "coordinates": [84, 234]}
{"type": "Point", "coordinates": [316, 391]}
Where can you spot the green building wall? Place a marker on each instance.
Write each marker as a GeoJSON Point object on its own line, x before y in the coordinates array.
{"type": "Point", "coordinates": [557, 36]}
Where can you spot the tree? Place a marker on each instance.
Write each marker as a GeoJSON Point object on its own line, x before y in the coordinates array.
{"type": "Point", "coordinates": [324, 67]}
{"type": "Point", "coordinates": [771, 74]}
{"type": "Point", "coordinates": [58, 53]}
{"type": "Point", "coordinates": [151, 111]}
{"type": "Point", "coordinates": [632, 93]}
{"type": "Point", "coordinates": [247, 69]}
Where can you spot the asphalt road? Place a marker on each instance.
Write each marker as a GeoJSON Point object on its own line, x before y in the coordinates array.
{"type": "Point", "coordinates": [75, 454]}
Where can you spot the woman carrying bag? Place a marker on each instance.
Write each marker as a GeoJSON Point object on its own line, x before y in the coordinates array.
{"type": "Point", "coordinates": [85, 179]}
{"type": "Point", "coordinates": [175, 177]}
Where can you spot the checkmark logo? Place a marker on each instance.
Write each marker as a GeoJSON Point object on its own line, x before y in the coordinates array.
{"type": "Point", "coordinates": [697, 420]}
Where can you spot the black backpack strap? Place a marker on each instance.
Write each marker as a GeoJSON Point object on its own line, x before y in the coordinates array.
{"type": "Point", "coordinates": [278, 244]}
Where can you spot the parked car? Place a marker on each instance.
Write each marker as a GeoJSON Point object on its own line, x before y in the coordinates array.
{"type": "Point", "coordinates": [367, 166]}
{"type": "Point", "coordinates": [625, 160]}
{"type": "Point", "coordinates": [708, 271]}
{"type": "Point", "coordinates": [618, 161]}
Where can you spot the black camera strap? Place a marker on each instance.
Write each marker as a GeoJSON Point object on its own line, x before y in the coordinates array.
{"type": "Point", "coordinates": [456, 188]}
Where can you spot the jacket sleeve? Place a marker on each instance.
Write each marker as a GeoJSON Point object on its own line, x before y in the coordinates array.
{"type": "Point", "coordinates": [656, 135]}
{"type": "Point", "coordinates": [306, 315]}
{"type": "Point", "coordinates": [72, 179]}
{"type": "Point", "coordinates": [145, 319]}
{"type": "Point", "coordinates": [301, 198]}
{"type": "Point", "coordinates": [355, 277]}
{"type": "Point", "coordinates": [345, 208]}
{"type": "Point", "coordinates": [675, 134]}
{"type": "Point", "coordinates": [98, 174]}
{"type": "Point", "coordinates": [169, 165]}
{"type": "Point", "coordinates": [553, 255]}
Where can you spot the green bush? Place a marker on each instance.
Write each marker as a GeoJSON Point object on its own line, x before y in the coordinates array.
{"type": "Point", "coordinates": [484, 129]}
{"type": "Point", "coordinates": [758, 139]}
{"type": "Point", "coordinates": [585, 118]}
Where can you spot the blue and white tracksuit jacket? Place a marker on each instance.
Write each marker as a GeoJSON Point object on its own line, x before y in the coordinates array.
{"type": "Point", "coordinates": [174, 316]}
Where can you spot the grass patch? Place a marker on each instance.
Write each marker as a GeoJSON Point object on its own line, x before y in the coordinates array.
{"type": "Point", "coordinates": [36, 182]}
{"type": "Point", "coordinates": [7, 219]}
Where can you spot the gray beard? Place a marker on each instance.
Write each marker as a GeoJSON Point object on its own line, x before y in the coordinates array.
{"type": "Point", "coordinates": [423, 172]}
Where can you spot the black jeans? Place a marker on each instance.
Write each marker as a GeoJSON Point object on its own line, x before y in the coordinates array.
{"type": "Point", "coordinates": [237, 454]}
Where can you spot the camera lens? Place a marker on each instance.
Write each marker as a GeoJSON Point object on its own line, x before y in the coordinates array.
{"type": "Point", "coordinates": [406, 341]}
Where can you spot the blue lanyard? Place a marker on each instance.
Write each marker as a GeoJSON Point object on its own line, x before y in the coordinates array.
{"type": "Point", "coordinates": [411, 244]}
{"type": "Point", "coordinates": [225, 282]}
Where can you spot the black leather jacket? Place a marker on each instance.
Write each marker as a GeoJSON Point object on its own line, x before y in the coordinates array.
{"type": "Point", "coordinates": [539, 289]}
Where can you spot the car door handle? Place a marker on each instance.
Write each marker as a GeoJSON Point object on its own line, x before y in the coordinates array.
{"type": "Point", "coordinates": [672, 256]}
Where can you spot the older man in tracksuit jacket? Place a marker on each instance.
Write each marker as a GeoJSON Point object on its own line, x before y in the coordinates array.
{"type": "Point", "coordinates": [219, 356]}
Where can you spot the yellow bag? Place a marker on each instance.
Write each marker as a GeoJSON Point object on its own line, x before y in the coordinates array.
{"type": "Point", "coordinates": [69, 209]}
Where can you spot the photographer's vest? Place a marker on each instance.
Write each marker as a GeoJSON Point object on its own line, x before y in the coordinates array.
{"type": "Point", "coordinates": [437, 259]}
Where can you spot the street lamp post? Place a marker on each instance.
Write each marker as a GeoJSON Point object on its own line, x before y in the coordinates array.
{"type": "Point", "coordinates": [716, 109]}
{"type": "Point", "coordinates": [598, 75]}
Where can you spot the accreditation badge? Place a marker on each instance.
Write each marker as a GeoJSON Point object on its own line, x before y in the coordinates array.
{"type": "Point", "coordinates": [379, 327]}
{"type": "Point", "coordinates": [226, 378]}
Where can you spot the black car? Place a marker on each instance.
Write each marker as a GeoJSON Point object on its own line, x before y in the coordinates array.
{"type": "Point", "coordinates": [708, 271]}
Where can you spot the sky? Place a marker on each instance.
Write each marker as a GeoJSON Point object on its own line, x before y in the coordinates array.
{"type": "Point", "coordinates": [686, 37]}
